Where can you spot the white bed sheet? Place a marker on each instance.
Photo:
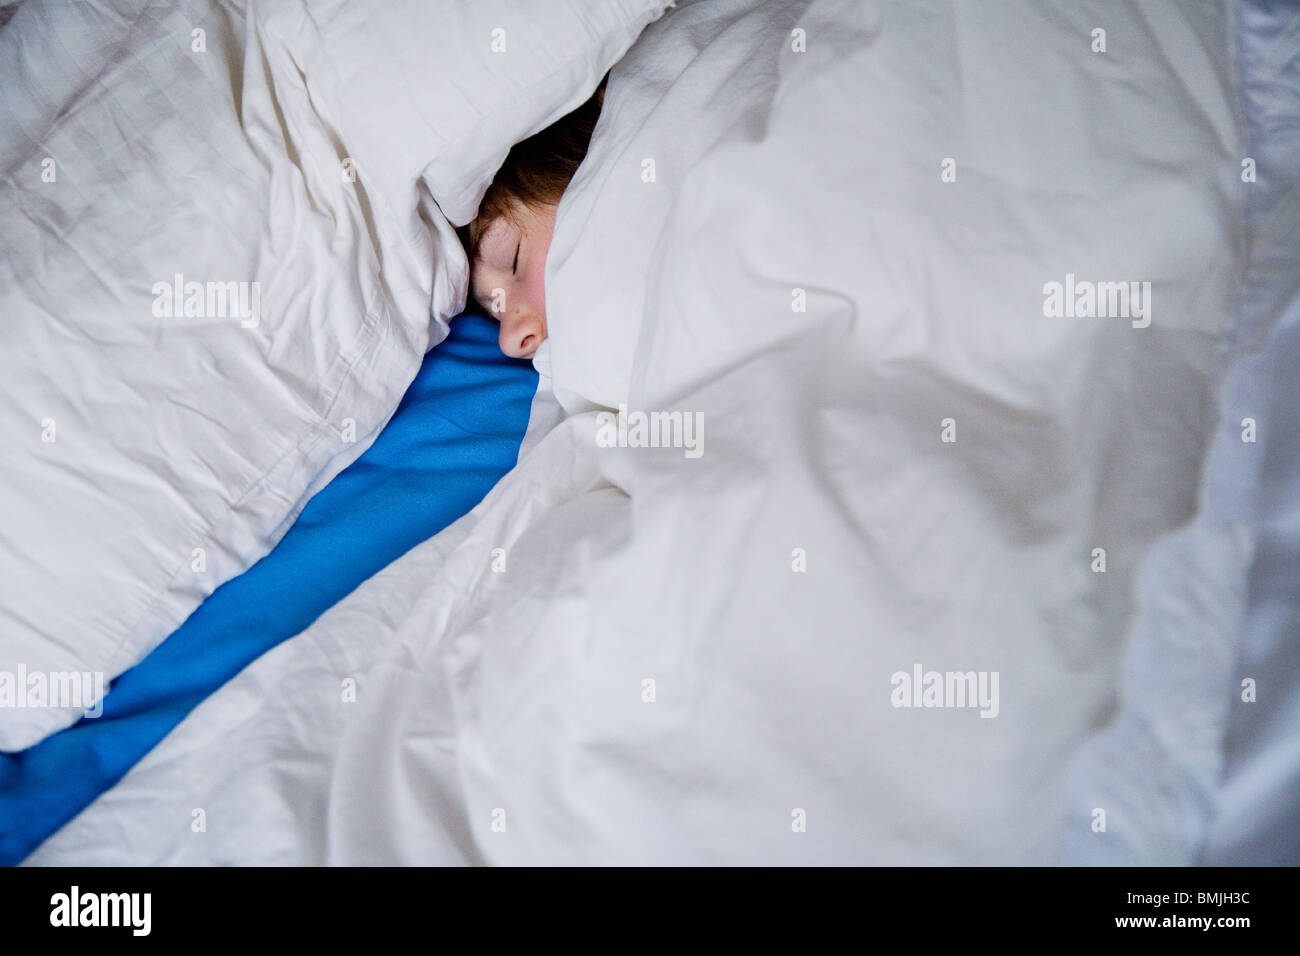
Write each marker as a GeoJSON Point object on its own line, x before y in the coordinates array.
{"type": "Point", "coordinates": [302, 158]}
{"type": "Point", "coordinates": [1256, 818]}
{"type": "Point", "coordinates": [158, 444]}
{"type": "Point", "coordinates": [502, 713]}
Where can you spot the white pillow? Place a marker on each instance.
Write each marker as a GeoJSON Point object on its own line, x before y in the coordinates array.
{"type": "Point", "coordinates": [455, 84]}
{"type": "Point", "coordinates": [152, 454]}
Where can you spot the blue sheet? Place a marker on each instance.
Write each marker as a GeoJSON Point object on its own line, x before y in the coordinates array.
{"type": "Point", "coordinates": [456, 432]}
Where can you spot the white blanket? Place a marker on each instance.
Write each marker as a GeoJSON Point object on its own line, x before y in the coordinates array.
{"type": "Point", "coordinates": [206, 316]}
{"type": "Point", "coordinates": [644, 654]}
{"type": "Point", "coordinates": [223, 254]}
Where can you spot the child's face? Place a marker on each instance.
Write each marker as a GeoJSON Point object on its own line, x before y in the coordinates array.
{"type": "Point", "coordinates": [506, 277]}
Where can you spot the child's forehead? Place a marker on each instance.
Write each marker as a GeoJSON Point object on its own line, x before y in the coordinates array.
{"type": "Point", "coordinates": [489, 232]}
{"type": "Point", "coordinates": [496, 226]}
{"type": "Point", "coordinates": [494, 237]}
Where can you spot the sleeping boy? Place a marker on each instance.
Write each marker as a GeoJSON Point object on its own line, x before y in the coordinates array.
{"type": "Point", "coordinates": [508, 240]}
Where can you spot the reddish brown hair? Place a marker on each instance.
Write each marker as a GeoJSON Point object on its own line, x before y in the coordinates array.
{"type": "Point", "coordinates": [537, 170]}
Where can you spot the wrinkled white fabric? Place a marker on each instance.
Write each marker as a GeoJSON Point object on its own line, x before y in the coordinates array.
{"type": "Point", "coordinates": [159, 442]}
{"type": "Point", "coordinates": [633, 654]}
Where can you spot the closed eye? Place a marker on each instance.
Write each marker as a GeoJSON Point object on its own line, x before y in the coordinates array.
{"type": "Point", "coordinates": [515, 265]}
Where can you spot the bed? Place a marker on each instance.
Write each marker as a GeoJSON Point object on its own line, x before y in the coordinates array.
{"type": "Point", "coordinates": [909, 476]}
{"type": "Point", "coordinates": [455, 433]}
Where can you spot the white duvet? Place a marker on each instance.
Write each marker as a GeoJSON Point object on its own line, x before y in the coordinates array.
{"type": "Point", "coordinates": [204, 320]}
{"type": "Point", "coordinates": [909, 466]}
{"type": "Point", "coordinates": [224, 251]}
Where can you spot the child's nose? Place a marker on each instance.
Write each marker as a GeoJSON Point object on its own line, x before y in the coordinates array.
{"type": "Point", "coordinates": [521, 333]}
